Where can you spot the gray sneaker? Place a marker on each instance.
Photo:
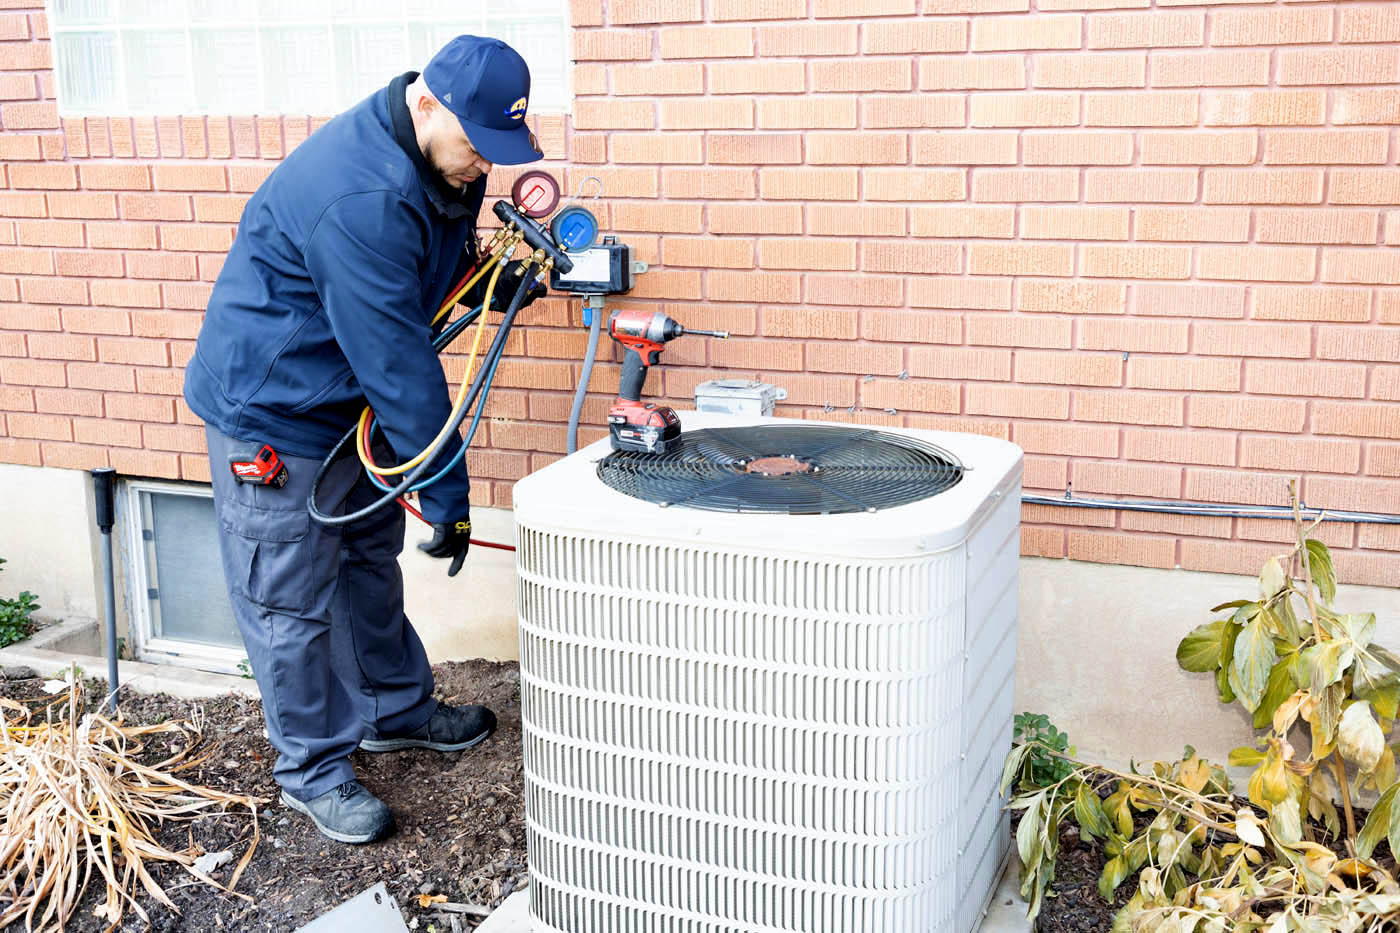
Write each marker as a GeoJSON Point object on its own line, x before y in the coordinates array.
{"type": "Point", "coordinates": [347, 813]}
{"type": "Point", "coordinates": [449, 729]}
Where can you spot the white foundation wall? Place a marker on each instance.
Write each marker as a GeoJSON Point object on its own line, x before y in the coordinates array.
{"type": "Point", "coordinates": [1096, 643]}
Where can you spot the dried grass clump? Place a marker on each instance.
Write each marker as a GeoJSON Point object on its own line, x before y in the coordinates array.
{"type": "Point", "coordinates": [75, 801]}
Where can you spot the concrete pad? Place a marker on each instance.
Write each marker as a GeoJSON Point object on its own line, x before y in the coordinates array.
{"type": "Point", "coordinates": [133, 675]}
{"type": "Point", "coordinates": [513, 916]}
{"type": "Point", "coordinates": [1006, 912]}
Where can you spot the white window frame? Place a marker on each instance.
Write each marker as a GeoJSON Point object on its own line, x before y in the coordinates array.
{"type": "Point", "coordinates": [145, 644]}
{"type": "Point", "coordinates": [478, 21]}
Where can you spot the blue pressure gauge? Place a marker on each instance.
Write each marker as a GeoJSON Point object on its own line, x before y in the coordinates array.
{"type": "Point", "coordinates": [574, 228]}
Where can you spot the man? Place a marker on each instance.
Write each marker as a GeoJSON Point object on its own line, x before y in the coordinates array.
{"type": "Point", "coordinates": [324, 303]}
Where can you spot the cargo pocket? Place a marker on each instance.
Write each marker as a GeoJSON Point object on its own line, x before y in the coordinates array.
{"type": "Point", "coordinates": [272, 555]}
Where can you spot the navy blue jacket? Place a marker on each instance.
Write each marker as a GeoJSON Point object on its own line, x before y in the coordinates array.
{"type": "Point", "coordinates": [342, 257]}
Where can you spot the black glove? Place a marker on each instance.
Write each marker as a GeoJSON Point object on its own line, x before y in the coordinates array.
{"type": "Point", "coordinates": [509, 282]}
{"type": "Point", "coordinates": [450, 539]}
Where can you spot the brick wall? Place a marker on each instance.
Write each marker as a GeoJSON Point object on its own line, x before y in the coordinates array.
{"type": "Point", "coordinates": [1153, 244]}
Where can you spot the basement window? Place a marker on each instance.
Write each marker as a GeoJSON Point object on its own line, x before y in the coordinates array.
{"type": "Point", "coordinates": [179, 605]}
{"type": "Point", "coordinates": [315, 57]}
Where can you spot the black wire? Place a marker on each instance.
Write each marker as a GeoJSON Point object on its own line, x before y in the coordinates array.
{"type": "Point", "coordinates": [497, 348]}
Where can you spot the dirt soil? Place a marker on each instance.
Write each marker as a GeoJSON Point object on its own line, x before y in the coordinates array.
{"type": "Point", "coordinates": [461, 819]}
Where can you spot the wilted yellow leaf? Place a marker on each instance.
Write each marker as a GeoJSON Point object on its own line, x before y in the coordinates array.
{"type": "Point", "coordinates": [428, 900]}
{"type": "Point", "coordinates": [1359, 738]}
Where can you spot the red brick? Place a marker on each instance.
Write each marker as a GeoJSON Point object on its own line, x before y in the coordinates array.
{"type": "Point", "coordinates": [1311, 303]}
{"type": "Point", "coordinates": [976, 294]}
{"type": "Point", "coordinates": [89, 263]}
{"type": "Point", "coordinates": [826, 184]}
{"type": "Point", "coordinates": [161, 266]}
{"type": "Point", "coordinates": [757, 9]}
{"type": "Point", "coordinates": [1200, 375]}
{"type": "Point", "coordinates": [863, 149]}
{"type": "Point", "coordinates": [1136, 550]}
{"type": "Point", "coordinates": [1078, 368]}
{"type": "Point", "coordinates": [43, 176]}
{"type": "Point", "coordinates": [1193, 525]}
{"type": "Point", "coordinates": [867, 290]}
{"type": "Point", "coordinates": [1077, 148]}
{"type": "Point", "coordinates": [155, 206]}
{"type": "Point", "coordinates": [756, 77]}
{"type": "Point", "coordinates": [1280, 26]}
{"type": "Point", "coordinates": [1005, 330]}
{"type": "Point", "coordinates": [632, 12]}
{"type": "Point", "coordinates": [1018, 402]}
{"type": "Point", "coordinates": [1024, 109]}
{"type": "Point", "coordinates": [963, 221]}
{"type": "Point", "coordinates": [49, 233]}
{"type": "Point", "coordinates": [96, 321]}
{"type": "Point", "coordinates": [1020, 259]}
{"type": "Point", "coordinates": [1274, 186]}
{"type": "Point", "coordinates": [30, 115]}
{"type": "Point", "coordinates": [1193, 300]}
{"type": "Point", "coordinates": [31, 372]}
{"type": "Point", "coordinates": [1075, 440]}
{"type": "Point", "coordinates": [911, 326]}
{"type": "Point", "coordinates": [1211, 448]}
{"type": "Point", "coordinates": [1372, 105]}
{"type": "Point", "coordinates": [17, 87]}
{"type": "Point", "coordinates": [1330, 380]}
{"type": "Point", "coordinates": [961, 363]}
{"type": "Point", "coordinates": [1099, 70]}
{"type": "Point", "coordinates": [914, 258]}
{"type": "Point", "coordinates": [126, 294]}
{"type": "Point", "coordinates": [806, 253]}
{"type": "Point", "coordinates": [1227, 556]}
{"type": "Point", "coordinates": [1042, 542]}
{"type": "Point", "coordinates": [1067, 515]}
{"type": "Point", "coordinates": [1357, 495]}
{"type": "Point", "coordinates": [196, 237]}
{"type": "Point", "coordinates": [656, 147]}
{"type": "Point", "coordinates": [1131, 479]}
{"type": "Point", "coordinates": [757, 354]}
{"type": "Point", "coordinates": [1133, 335]}
{"type": "Point", "coordinates": [1300, 453]}
{"type": "Point", "coordinates": [1073, 297]}
{"type": "Point", "coordinates": [807, 39]}
{"type": "Point", "coordinates": [68, 402]}
{"type": "Point", "coordinates": [1317, 226]}
{"type": "Point", "coordinates": [191, 178]}
{"type": "Point", "coordinates": [1375, 267]}
{"type": "Point", "coordinates": [121, 236]}
{"type": "Point", "coordinates": [862, 75]}
{"type": "Point", "coordinates": [847, 357]}
{"type": "Point", "coordinates": [1137, 185]}
{"type": "Point", "coordinates": [54, 291]}
{"type": "Point", "coordinates": [1192, 223]}
{"type": "Point", "coordinates": [1263, 108]}
{"type": "Point", "coordinates": [1383, 459]}
{"type": "Point", "coordinates": [1345, 343]}
{"type": "Point", "coordinates": [1258, 263]}
{"type": "Point", "coordinates": [1356, 419]}
{"type": "Point", "coordinates": [1368, 24]}
{"type": "Point", "coordinates": [82, 205]}
{"type": "Point", "coordinates": [746, 218]}
{"type": "Point", "coordinates": [23, 205]}
{"type": "Point", "coordinates": [746, 286]}
{"type": "Point", "coordinates": [26, 261]}
{"type": "Point", "coordinates": [247, 178]}
{"type": "Point", "coordinates": [117, 176]}
{"type": "Point", "coordinates": [847, 219]}
{"type": "Point", "coordinates": [905, 37]}
{"type": "Point", "coordinates": [821, 323]}
{"type": "Point", "coordinates": [145, 463]}
{"type": "Point", "coordinates": [1026, 185]}
{"type": "Point", "coordinates": [1153, 29]}
{"type": "Point", "coordinates": [1248, 414]}
{"type": "Point", "coordinates": [976, 72]}
{"type": "Point", "coordinates": [18, 147]}
{"type": "Point", "coordinates": [16, 398]}
{"type": "Point", "coordinates": [1150, 108]}
{"type": "Point", "coordinates": [1008, 33]}
{"type": "Point", "coordinates": [1324, 147]}
{"type": "Point", "coordinates": [1252, 339]}
{"type": "Point", "coordinates": [785, 113]}
{"type": "Point", "coordinates": [1122, 407]}
{"type": "Point", "coordinates": [1141, 262]}
{"type": "Point", "coordinates": [1237, 486]}
{"type": "Point", "coordinates": [700, 42]}
{"type": "Point", "coordinates": [1339, 66]}
{"type": "Point", "coordinates": [1210, 69]}
{"type": "Point", "coordinates": [40, 426]}
{"type": "Point", "coordinates": [191, 296]}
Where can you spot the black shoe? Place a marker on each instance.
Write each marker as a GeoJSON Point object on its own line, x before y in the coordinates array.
{"type": "Point", "coordinates": [449, 729]}
{"type": "Point", "coordinates": [348, 813]}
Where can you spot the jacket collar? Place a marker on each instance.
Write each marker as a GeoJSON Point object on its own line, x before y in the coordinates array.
{"type": "Point", "coordinates": [452, 203]}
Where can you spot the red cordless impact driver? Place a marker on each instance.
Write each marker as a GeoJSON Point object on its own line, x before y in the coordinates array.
{"type": "Point", "coordinates": [633, 424]}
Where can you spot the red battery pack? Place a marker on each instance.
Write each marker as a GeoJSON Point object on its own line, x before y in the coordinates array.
{"type": "Point", "coordinates": [264, 469]}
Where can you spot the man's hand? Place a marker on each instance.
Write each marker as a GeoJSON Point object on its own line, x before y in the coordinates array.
{"type": "Point", "coordinates": [509, 282]}
{"type": "Point", "coordinates": [450, 539]}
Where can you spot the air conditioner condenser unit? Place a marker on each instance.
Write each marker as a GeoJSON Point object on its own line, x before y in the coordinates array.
{"type": "Point", "coordinates": [789, 717]}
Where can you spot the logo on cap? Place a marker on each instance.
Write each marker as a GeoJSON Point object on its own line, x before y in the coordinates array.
{"type": "Point", "coordinates": [516, 111]}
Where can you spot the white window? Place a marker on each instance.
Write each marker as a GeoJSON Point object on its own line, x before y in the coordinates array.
{"type": "Point", "coordinates": [179, 604]}
{"type": "Point", "coordinates": [317, 57]}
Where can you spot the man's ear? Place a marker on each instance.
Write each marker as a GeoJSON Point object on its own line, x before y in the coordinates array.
{"type": "Point", "coordinates": [425, 105]}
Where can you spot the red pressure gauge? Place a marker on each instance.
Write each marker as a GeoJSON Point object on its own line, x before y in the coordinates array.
{"type": "Point", "coordinates": [535, 194]}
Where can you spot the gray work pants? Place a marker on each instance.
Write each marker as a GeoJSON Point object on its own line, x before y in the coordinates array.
{"type": "Point", "coordinates": [321, 613]}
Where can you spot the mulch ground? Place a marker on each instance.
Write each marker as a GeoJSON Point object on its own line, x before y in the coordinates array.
{"type": "Point", "coordinates": [461, 819]}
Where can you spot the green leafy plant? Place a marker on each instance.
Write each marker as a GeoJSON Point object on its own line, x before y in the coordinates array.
{"type": "Point", "coordinates": [1208, 861]}
{"type": "Point", "coordinates": [16, 616]}
{"type": "Point", "coordinates": [1042, 767]}
{"type": "Point", "coordinates": [245, 670]}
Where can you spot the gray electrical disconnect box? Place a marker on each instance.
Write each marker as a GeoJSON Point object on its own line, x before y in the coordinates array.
{"type": "Point", "coordinates": [738, 396]}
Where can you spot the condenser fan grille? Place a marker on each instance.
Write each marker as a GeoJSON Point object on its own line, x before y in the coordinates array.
{"type": "Point", "coordinates": [790, 469]}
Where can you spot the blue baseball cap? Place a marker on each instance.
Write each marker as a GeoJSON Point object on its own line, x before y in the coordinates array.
{"type": "Point", "coordinates": [486, 85]}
